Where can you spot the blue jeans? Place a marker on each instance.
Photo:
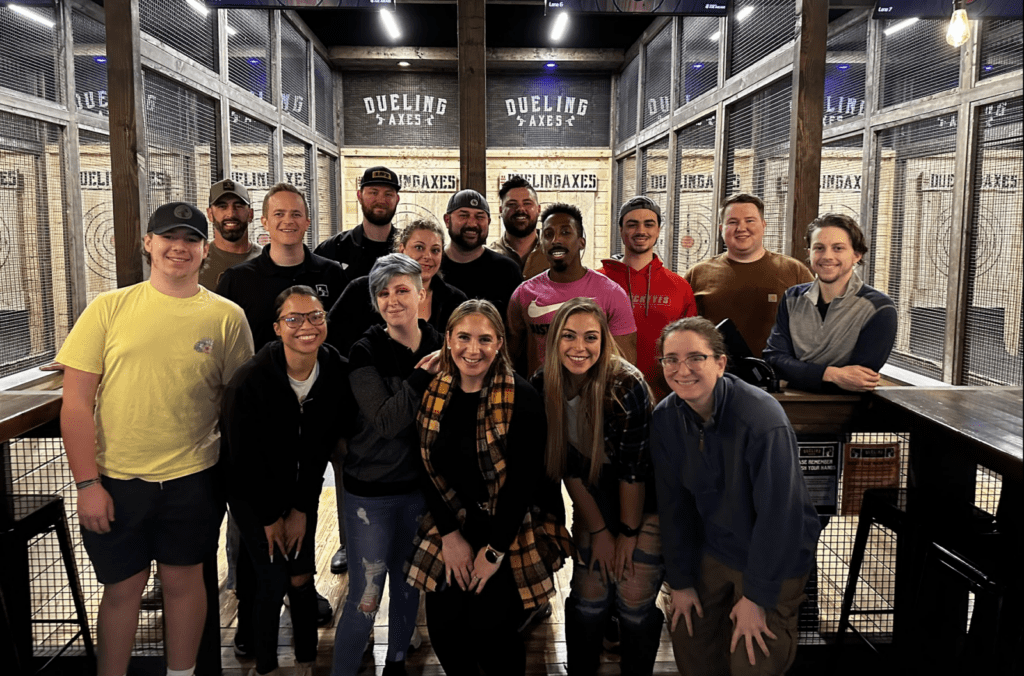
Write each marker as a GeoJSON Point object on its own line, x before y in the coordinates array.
{"type": "Point", "coordinates": [380, 533]}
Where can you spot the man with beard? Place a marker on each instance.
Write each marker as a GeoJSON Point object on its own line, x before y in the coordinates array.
{"type": "Point", "coordinates": [659, 296]}
{"type": "Point", "coordinates": [230, 212]}
{"type": "Point", "coordinates": [519, 211]}
{"type": "Point", "coordinates": [467, 264]}
{"type": "Point", "coordinates": [536, 301]}
{"type": "Point", "coordinates": [357, 249]}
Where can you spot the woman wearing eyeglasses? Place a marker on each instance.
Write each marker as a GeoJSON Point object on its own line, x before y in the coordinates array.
{"type": "Point", "coordinates": [282, 415]}
{"type": "Point", "coordinates": [389, 369]}
{"type": "Point", "coordinates": [599, 409]}
{"type": "Point", "coordinates": [739, 529]}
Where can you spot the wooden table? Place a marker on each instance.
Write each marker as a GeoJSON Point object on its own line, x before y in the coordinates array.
{"type": "Point", "coordinates": [817, 413]}
{"type": "Point", "coordinates": [981, 424]}
{"type": "Point", "coordinates": [20, 413]}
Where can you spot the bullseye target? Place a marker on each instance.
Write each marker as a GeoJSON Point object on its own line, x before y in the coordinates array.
{"type": "Point", "coordinates": [695, 236]}
{"type": "Point", "coordinates": [100, 256]}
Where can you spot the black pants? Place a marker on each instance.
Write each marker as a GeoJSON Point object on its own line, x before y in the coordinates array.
{"type": "Point", "coordinates": [272, 582]}
{"type": "Point", "coordinates": [471, 633]}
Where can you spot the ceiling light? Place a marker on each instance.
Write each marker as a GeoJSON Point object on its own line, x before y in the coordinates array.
{"type": "Point", "coordinates": [97, 59]}
{"type": "Point", "coordinates": [698, 66]}
{"type": "Point", "coordinates": [714, 36]}
{"type": "Point", "coordinates": [32, 16]}
{"type": "Point", "coordinates": [551, 64]}
{"type": "Point", "coordinates": [744, 13]}
{"type": "Point", "coordinates": [231, 31]}
{"type": "Point", "coordinates": [561, 23]}
{"type": "Point", "coordinates": [959, 30]}
{"type": "Point", "coordinates": [390, 25]}
{"type": "Point", "coordinates": [843, 66]}
{"type": "Point", "coordinates": [988, 66]}
{"type": "Point", "coordinates": [403, 64]}
{"type": "Point", "coordinates": [200, 8]}
{"type": "Point", "coordinates": [897, 27]}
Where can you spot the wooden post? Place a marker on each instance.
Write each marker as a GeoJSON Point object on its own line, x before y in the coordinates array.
{"type": "Point", "coordinates": [805, 123]}
{"type": "Point", "coordinates": [472, 95]}
{"type": "Point", "coordinates": [127, 163]}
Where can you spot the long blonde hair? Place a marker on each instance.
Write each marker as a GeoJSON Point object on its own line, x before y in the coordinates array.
{"type": "Point", "coordinates": [485, 308]}
{"type": "Point", "coordinates": [590, 421]}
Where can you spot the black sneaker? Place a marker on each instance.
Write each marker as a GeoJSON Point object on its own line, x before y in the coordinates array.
{"type": "Point", "coordinates": [339, 562]}
{"type": "Point", "coordinates": [324, 612]}
{"type": "Point", "coordinates": [537, 615]}
{"type": "Point", "coordinates": [611, 635]}
{"type": "Point", "coordinates": [243, 650]}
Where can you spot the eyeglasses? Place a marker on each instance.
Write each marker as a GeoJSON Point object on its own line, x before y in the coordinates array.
{"type": "Point", "coordinates": [694, 362]}
{"type": "Point", "coordinates": [295, 319]}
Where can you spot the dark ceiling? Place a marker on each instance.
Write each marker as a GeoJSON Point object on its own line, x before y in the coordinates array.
{"type": "Point", "coordinates": [520, 24]}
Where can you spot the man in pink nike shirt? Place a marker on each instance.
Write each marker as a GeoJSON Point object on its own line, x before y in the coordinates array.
{"type": "Point", "coordinates": [535, 302]}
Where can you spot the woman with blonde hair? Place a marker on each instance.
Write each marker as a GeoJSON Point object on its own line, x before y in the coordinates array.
{"type": "Point", "coordinates": [494, 534]}
{"type": "Point", "coordinates": [599, 409]}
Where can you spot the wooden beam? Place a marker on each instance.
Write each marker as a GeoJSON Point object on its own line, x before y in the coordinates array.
{"type": "Point", "coordinates": [127, 139]}
{"type": "Point", "coordinates": [805, 122]}
{"type": "Point", "coordinates": [473, 94]}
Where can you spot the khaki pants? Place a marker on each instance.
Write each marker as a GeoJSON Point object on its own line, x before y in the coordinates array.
{"type": "Point", "coordinates": [707, 652]}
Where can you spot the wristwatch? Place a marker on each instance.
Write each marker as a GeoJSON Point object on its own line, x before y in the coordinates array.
{"type": "Point", "coordinates": [627, 531]}
{"type": "Point", "coordinates": [493, 555]}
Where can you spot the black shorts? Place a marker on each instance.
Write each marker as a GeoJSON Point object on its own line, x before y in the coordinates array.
{"type": "Point", "coordinates": [173, 522]}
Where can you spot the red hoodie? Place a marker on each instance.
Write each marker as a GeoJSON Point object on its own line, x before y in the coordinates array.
{"type": "Point", "coordinates": [659, 297]}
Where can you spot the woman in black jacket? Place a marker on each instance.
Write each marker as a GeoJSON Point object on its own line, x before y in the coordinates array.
{"type": "Point", "coordinates": [280, 421]}
{"type": "Point", "coordinates": [423, 241]}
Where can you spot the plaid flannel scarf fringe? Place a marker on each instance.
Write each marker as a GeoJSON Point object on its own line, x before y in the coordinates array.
{"type": "Point", "coordinates": [541, 545]}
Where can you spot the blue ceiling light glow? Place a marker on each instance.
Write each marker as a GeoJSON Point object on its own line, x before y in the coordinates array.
{"type": "Point", "coordinates": [698, 66]}
{"type": "Point", "coordinates": [843, 66]}
{"type": "Point", "coordinates": [99, 59]}
{"type": "Point", "coordinates": [254, 61]}
{"type": "Point", "coordinates": [551, 64]}
{"type": "Point", "coordinates": [988, 66]}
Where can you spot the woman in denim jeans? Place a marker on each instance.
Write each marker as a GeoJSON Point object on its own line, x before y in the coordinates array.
{"type": "Point", "coordinates": [390, 367]}
{"type": "Point", "coordinates": [599, 411]}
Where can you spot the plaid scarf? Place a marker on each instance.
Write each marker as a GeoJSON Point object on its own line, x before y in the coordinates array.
{"type": "Point", "coordinates": [541, 545]}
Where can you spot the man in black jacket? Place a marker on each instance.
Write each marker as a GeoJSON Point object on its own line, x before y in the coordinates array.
{"type": "Point", "coordinates": [358, 248]}
{"type": "Point", "coordinates": [254, 285]}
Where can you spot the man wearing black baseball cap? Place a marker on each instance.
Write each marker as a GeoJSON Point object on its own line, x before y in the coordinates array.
{"type": "Point", "coordinates": [230, 212]}
{"type": "Point", "coordinates": [467, 264]}
{"type": "Point", "coordinates": [358, 248]}
{"type": "Point", "coordinates": [143, 448]}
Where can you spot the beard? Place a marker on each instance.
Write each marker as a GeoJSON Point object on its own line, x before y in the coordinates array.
{"type": "Point", "coordinates": [369, 215]}
{"type": "Point", "coordinates": [515, 230]}
{"type": "Point", "coordinates": [232, 235]}
{"type": "Point", "coordinates": [460, 241]}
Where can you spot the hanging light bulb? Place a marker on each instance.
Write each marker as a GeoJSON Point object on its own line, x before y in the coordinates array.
{"type": "Point", "coordinates": [959, 30]}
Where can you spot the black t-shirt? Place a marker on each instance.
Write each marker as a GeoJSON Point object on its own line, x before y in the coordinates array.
{"type": "Point", "coordinates": [491, 277]}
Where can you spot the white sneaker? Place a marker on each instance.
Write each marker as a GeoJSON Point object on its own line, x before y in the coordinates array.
{"type": "Point", "coordinates": [416, 641]}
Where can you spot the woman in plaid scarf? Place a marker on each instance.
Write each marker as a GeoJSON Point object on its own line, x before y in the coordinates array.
{"type": "Point", "coordinates": [599, 408]}
{"type": "Point", "coordinates": [494, 533]}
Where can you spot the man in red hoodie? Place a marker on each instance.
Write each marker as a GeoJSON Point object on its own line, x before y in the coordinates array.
{"type": "Point", "coordinates": [658, 295]}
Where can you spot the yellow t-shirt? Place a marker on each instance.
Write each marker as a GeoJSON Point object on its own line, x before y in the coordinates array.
{"type": "Point", "coordinates": [164, 363]}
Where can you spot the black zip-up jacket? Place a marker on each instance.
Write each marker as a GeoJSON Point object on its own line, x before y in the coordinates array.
{"type": "Point", "coordinates": [255, 285]}
{"type": "Point", "coordinates": [355, 251]}
{"type": "Point", "coordinates": [277, 449]}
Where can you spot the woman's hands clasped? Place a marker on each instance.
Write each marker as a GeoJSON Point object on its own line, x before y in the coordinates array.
{"type": "Point", "coordinates": [458, 559]}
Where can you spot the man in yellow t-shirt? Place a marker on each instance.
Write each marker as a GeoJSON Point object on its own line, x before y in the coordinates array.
{"type": "Point", "coordinates": [145, 367]}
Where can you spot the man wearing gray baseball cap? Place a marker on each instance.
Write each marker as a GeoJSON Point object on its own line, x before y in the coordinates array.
{"type": "Point", "coordinates": [230, 212]}
{"type": "Point", "coordinates": [467, 264]}
{"type": "Point", "coordinates": [143, 448]}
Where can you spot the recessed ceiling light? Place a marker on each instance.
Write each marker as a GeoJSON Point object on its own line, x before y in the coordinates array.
{"type": "Point", "coordinates": [551, 64]}
{"type": "Point", "coordinates": [843, 66]}
{"type": "Point", "coordinates": [403, 64]}
{"type": "Point", "coordinates": [698, 66]}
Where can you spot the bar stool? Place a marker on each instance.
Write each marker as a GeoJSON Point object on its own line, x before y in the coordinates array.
{"type": "Point", "coordinates": [32, 516]}
{"type": "Point", "coordinates": [961, 530]}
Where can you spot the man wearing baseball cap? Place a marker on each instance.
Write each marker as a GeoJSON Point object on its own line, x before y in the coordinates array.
{"type": "Point", "coordinates": [658, 295]}
{"type": "Point", "coordinates": [467, 264]}
{"type": "Point", "coordinates": [142, 448]}
{"type": "Point", "coordinates": [230, 212]}
{"type": "Point", "coordinates": [357, 249]}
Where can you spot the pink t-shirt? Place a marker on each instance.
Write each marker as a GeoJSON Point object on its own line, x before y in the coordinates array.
{"type": "Point", "coordinates": [538, 299]}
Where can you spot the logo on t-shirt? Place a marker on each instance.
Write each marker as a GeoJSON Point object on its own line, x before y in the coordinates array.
{"type": "Point", "coordinates": [536, 311]}
{"type": "Point", "coordinates": [321, 290]}
{"type": "Point", "coordinates": [204, 346]}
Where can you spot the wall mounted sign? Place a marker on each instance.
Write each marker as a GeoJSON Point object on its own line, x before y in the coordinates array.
{"type": "Point", "coordinates": [401, 109]}
{"type": "Point", "coordinates": [548, 111]}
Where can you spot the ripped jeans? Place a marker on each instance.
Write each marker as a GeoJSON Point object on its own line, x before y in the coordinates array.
{"type": "Point", "coordinates": [590, 604]}
{"type": "Point", "coordinates": [380, 531]}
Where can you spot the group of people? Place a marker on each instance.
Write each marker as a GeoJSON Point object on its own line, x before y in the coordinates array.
{"type": "Point", "coordinates": [455, 388]}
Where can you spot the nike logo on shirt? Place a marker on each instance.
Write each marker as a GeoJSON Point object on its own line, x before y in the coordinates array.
{"type": "Point", "coordinates": [535, 311]}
